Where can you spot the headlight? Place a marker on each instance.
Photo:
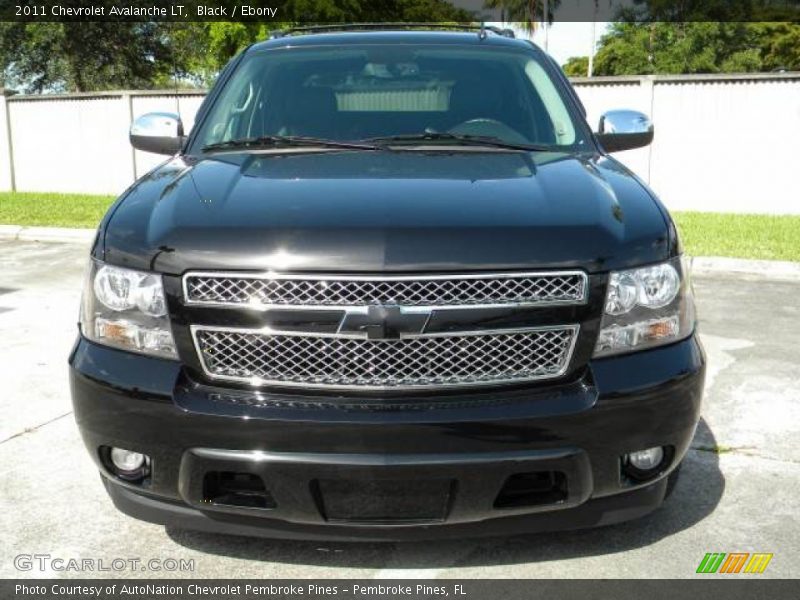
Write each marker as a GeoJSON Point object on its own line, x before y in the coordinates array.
{"type": "Point", "coordinates": [126, 309]}
{"type": "Point", "coordinates": [646, 307]}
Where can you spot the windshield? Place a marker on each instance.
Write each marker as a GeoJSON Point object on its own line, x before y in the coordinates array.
{"type": "Point", "coordinates": [392, 91]}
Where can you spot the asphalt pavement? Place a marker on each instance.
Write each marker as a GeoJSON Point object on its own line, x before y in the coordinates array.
{"type": "Point", "coordinates": [738, 491]}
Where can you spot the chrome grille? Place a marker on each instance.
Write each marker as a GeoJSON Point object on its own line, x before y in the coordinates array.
{"type": "Point", "coordinates": [306, 291]}
{"type": "Point", "coordinates": [428, 360]}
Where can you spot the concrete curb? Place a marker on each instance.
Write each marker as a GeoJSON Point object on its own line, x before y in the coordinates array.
{"type": "Point", "coordinates": [700, 264]}
{"type": "Point", "coordinates": [772, 269]}
{"type": "Point", "coordinates": [47, 234]}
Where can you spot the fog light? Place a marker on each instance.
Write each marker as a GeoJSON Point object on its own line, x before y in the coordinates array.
{"type": "Point", "coordinates": [648, 464]}
{"type": "Point", "coordinates": [645, 460]}
{"type": "Point", "coordinates": [128, 465]}
{"type": "Point", "coordinates": [125, 460]}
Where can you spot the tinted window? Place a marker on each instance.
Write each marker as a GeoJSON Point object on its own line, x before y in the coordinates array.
{"type": "Point", "coordinates": [361, 92]}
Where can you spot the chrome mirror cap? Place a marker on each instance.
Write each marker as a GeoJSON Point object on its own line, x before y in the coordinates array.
{"type": "Point", "coordinates": [624, 130]}
{"type": "Point", "coordinates": [160, 133]}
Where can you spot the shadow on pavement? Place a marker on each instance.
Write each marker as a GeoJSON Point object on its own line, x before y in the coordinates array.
{"type": "Point", "coordinates": [699, 490]}
{"type": "Point", "coordinates": [6, 291]}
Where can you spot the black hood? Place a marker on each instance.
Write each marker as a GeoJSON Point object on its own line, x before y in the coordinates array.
{"type": "Point", "coordinates": [387, 211]}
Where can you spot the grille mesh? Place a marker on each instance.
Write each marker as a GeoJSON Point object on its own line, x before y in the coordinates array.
{"type": "Point", "coordinates": [429, 360]}
{"type": "Point", "coordinates": [445, 291]}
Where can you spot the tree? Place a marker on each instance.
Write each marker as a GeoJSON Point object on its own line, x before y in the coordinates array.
{"type": "Point", "coordinates": [701, 36]}
{"type": "Point", "coordinates": [527, 12]}
{"type": "Point", "coordinates": [631, 48]}
{"type": "Point", "coordinates": [373, 11]}
{"type": "Point", "coordinates": [719, 11]}
{"type": "Point", "coordinates": [207, 47]}
{"type": "Point", "coordinates": [89, 56]}
{"type": "Point", "coordinates": [576, 66]}
{"type": "Point", "coordinates": [779, 45]}
{"type": "Point", "coordinates": [81, 57]}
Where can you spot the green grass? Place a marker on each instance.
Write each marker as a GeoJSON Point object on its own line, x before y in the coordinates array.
{"type": "Point", "coordinates": [52, 210]}
{"type": "Point", "coordinates": [704, 234]}
{"type": "Point", "coordinates": [716, 449]}
{"type": "Point", "coordinates": [768, 237]}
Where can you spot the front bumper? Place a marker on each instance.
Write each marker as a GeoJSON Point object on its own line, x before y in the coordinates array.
{"type": "Point", "coordinates": [390, 468]}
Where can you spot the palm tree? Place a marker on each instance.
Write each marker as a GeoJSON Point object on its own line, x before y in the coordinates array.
{"type": "Point", "coordinates": [529, 13]}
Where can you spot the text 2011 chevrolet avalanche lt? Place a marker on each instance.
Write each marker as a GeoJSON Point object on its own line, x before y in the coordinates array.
{"type": "Point", "coordinates": [391, 286]}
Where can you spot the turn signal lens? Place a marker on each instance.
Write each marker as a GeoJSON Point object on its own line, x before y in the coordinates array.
{"type": "Point", "coordinates": [126, 334]}
{"type": "Point", "coordinates": [637, 334]}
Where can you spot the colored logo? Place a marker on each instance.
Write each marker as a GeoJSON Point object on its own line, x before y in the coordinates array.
{"type": "Point", "coordinates": [734, 562]}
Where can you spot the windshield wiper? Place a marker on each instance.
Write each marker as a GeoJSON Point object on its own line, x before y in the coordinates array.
{"type": "Point", "coordinates": [286, 141]}
{"type": "Point", "coordinates": [456, 138]}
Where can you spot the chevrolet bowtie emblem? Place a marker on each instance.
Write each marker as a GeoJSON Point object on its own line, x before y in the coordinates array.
{"type": "Point", "coordinates": [385, 322]}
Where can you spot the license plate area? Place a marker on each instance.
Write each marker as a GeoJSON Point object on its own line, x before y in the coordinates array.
{"type": "Point", "coordinates": [384, 501]}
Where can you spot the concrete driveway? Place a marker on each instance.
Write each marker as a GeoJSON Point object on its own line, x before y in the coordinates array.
{"type": "Point", "coordinates": [738, 491]}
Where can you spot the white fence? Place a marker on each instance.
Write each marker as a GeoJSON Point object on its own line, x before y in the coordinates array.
{"type": "Point", "coordinates": [723, 143]}
{"type": "Point", "coordinates": [79, 142]}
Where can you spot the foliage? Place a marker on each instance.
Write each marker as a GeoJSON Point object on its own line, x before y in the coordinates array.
{"type": "Point", "coordinates": [779, 45]}
{"type": "Point", "coordinates": [730, 11]}
{"type": "Point", "coordinates": [701, 36]}
{"type": "Point", "coordinates": [89, 56]}
{"type": "Point", "coordinates": [576, 66]}
{"type": "Point", "coordinates": [697, 47]}
{"type": "Point", "coordinates": [209, 46]}
{"type": "Point", "coordinates": [83, 56]}
{"type": "Point", "coordinates": [374, 11]}
{"type": "Point", "coordinates": [40, 57]}
{"type": "Point", "coordinates": [206, 47]}
{"type": "Point", "coordinates": [527, 12]}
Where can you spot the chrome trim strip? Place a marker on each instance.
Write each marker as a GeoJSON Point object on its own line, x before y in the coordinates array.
{"type": "Point", "coordinates": [333, 458]}
{"type": "Point", "coordinates": [294, 333]}
{"type": "Point", "coordinates": [334, 307]}
{"type": "Point", "coordinates": [258, 382]}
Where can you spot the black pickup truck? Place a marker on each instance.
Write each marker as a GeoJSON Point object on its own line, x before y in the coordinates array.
{"type": "Point", "coordinates": [391, 286]}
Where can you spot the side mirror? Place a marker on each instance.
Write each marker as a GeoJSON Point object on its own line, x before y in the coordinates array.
{"type": "Point", "coordinates": [624, 130]}
{"type": "Point", "coordinates": [160, 133]}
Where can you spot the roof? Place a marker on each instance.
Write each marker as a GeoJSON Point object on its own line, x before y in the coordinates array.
{"type": "Point", "coordinates": [391, 36]}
